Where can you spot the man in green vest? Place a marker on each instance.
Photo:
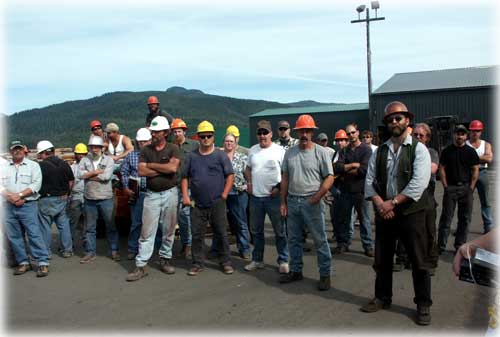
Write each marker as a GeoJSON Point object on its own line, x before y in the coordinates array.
{"type": "Point", "coordinates": [398, 175]}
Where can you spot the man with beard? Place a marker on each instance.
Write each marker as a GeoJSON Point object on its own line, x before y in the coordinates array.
{"type": "Point", "coordinates": [396, 182]}
{"type": "Point", "coordinates": [285, 140]}
{"type": "Point", "coordinates": [459, 172]}
{"type": "Point", "coordinates": [154, 111]}
{"type": "Point", "coordinates": [186, 146]}
{"type": "Point", "coordinates": [158, 162]}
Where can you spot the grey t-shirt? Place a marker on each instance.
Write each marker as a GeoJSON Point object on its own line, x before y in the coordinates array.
{"type": "Point", "coordinates": [306, 169]}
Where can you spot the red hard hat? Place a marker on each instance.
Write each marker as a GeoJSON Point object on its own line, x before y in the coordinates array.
{"type": "Point", "coordinates": [153, 100]}
{"type": "Point", "coordinates": [305, 122]}
{"type": "Point", "coordinates": [95, 123]}
{"type": "Point", "coordinates": [476, 125]}
{"type": "Point", "coordinates": [340, 134]}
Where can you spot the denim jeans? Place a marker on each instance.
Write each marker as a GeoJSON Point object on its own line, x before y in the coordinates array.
{"type": "Point", "coordinates": [53, 210]}
{"type": "Point", "coordinates": [135, 223]}
{"type": "Point", "coordinates": [483, 192]}
{"type": "Point", "coordinates": [184, 221]}
{"type": "Point", "coordinates": [237, 215]}
{"type": "Point", "coordinates": [160, 210]}
{"type": "Point", "coordinates": [259, 207]}
{"type": "Point", "coordinates": [301, 214]}
{"type": "Point", "coordinates": [92, 209]}
{"type": "Point", "coordinates": [75, 210]}
{"type": "Point", "coordinates": [335, 216]}
{"type": "Point", "coordinates": [25, 217]}
{"type": "Point", "coordinates": [348, 201]}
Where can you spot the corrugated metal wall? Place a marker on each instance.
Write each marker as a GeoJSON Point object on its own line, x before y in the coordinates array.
{"type": "Point", "coordinates": [328, 122]}
{"type": "Point", "coordinates": [467, 104]}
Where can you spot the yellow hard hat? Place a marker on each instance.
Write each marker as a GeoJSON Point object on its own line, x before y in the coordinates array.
{"type": "Point", "coordinates": [81, 148]}
{"type": "Point", "coordinates": [205, 126]}
{"type": "Point", "coordinates": [233, 129]}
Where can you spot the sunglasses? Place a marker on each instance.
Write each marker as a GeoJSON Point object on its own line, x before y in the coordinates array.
{"type": "Point", "coordinates": [475, 130]}
{"type": "Point", "coordinates": [397, 118]}
{"type": "Point", "coordinates": [283, 129]}
{"type": "Point", "coordinates": [418, 135]}
{"type": "Point", "coordinates": [206, 136]}
{"type": "Point", "coordinates": [352, 132]}
{"type": "Point", "coordinates": [96, 128]}
{"type": "Point", "coordinates": [262, 133]}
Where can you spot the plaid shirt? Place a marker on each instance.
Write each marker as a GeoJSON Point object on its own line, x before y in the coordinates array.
{"type": "Point", "coordinates": [130, 167]}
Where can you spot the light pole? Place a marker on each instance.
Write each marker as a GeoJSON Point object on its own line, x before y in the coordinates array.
{"type": "Point", "coordinates": [360, 9]}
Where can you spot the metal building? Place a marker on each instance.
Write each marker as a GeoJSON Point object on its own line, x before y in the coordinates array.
{"type": "Point", "coordinates": [467, 93]}
{"type": "Point", "coordinates": [329, 118]}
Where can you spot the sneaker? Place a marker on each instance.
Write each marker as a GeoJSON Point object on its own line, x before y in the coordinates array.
{"type": "Point", "coordinates": [340, 250]}
{"type": "Point", "coordinates": [131, 256]}
{"type": "Point", "coordinates": [42, 271]}
{"type": "Point", "coordinates": [227, 269]}
{"type": "Point", "coordinates": [283, 268]}
{"type": "Point", "coordinates": [375, 305]}
{"type": "Point", "coordinates": [369, 252]}
{"type": "Point", "coordinates": [246, 256]}
{"type": "Point", "coordinates": [195, 270]}
{"type": "Point", "coordinates": [324, 283]}
{"type": "Point", "coordinates": [291, 277]}
{"type": "Point", "coordinates": [254, 266]}
{"type": "Point", "coordinates": [166, 266]}
{"type": "Point", "coordinates": [87, 259]}
{"type": "Point", "coordinates": [66, 254]}
{"type": "Point", "coordinates": [115, 256]}
{"type": "Point", "coordinates": [423, 315]}
{"type": "Point", "coordinates": [137, 274]}
{"type": "Point", "coordinates": [22, 268]}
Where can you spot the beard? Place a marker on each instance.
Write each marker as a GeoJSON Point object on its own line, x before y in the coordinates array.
{"type": "Point", "coordinates": [96, 156]}
{"type": "Point", "coordinates": [303, 139]}
{"type": "Point", "coordinates": [397, 131]}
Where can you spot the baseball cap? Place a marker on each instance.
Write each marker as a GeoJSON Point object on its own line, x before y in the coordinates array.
{"type": "Point", "coordinates": [15, 143]}
{"type": "Point", "coordinates": [264, 125]}
{"type": "Point", "coordinates": [460, 128]}
{"type": "Point", "coordinates": [284, 124]}
{"type": "Point", "coordinates": [322, 136]}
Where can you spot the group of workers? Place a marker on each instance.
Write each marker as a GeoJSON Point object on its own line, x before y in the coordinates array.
{"type": "Point", "coordinates": [291, 180]}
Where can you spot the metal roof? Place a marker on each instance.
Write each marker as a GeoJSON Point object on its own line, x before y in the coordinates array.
{"type": "Point", "coordinates": [312, 109]}
{"type": "Point", "coordinates": [440, 79]}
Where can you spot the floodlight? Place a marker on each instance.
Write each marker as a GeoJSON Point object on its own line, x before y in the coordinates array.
{"type": "Point", "coordinates": [375, 5]}
{"type": "Point", "coordinates": [361, 8]}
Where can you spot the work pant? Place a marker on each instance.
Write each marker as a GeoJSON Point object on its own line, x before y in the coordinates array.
{"type": "Point", "coordinates": [53, 210]}
{"type": "Point", "coordinates": [184, 221]}
{"type": "Point", "coordinates": [237, 216]}
{"type": "Point", "coordinates": [92, 210]}
{"type": "Point", "coordinates": [483, 192]}
{"type": "Point", "coordinates": [348, 201]}
{"type": "Point", "coordinates": [75, 210]}
{"type": "Point", "coordinates": [136, 209]}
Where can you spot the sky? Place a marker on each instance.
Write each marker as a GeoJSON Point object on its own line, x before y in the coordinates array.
{"type": "Point", "coordinates": [285, 51]}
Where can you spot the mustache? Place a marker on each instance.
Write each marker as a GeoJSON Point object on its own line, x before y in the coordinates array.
{"type": "Point", "coordinates": [303, 138]}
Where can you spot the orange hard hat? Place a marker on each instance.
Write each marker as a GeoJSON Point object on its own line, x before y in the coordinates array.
{"type": "Point", "coordinates": [410, 130]}
{"type": "Point", "coordinates": [178, 123]}
{"type": "Point", "coordinates": [305, 122]}
{"type": "Point", "coordinates": [396, 108]}
{"type": "Point", "coordinates": [476, 125]}
{"type": "Point", "coordinates": [95, 123]}
{"type": "Point", "coordinates": [340, 134]}
{"type": "Point", "coordinates": [153, 100]}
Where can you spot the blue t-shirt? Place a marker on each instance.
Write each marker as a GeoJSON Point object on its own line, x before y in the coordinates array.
{"type": "Point", "coordinates": [206, 174]}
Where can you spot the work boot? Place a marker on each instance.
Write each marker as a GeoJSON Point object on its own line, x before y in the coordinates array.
{"type": "Point", "coordinates": [187, 251]}
{"type": "Point", "coordinates": [398, 266]}
{"type": "Point", "coordinates": [423, 315]}
{"type": "Point", "coordinates": [375, 305]}
{"type": "Point", "coordinates": [166, 266]}
{"type": "Point", "coordinates": [42, 271]}
{"type": "Point", "coordinates": [291, 277]}
{"type": "Point", "coordinates": [340, 250]}
{"type": "Point", "coordinates": [115, 256]}
{"type": "Point", "coordinates": [137, 274]}
{"type": "Point", "coordinates": [324, 283]}
{"type": "Point", "coordinates": [22, 268]}
{"type": "Point", "coordinates": [67, 254]}
{"type": "Point", "coordinates": [131, 256]}
{"type": "Point", "coordinates": [87, 259]}
{"type": "Point", "coordinates": [369, 252]}
{"type": "Point", "coordinates": [195, 270]}
{"type": "Point", "coordinates": [227, 269]}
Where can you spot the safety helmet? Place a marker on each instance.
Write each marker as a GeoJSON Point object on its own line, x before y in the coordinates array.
{"type": "Point", "coordinates": [143, 135]}
{"type": "Point", "coordinates": [396, 108]}
{"type": "Point", "coordinates": [305, 122]}
{"type": "Point", "coordinates": [476, 125]}
{"type": "Point", "coordinates": [95, 140]}
{"type": "Point", "coordinates": [233, 129]}
{"type": "Point", "coordinates": [178, 123]}
{"type": "Point", "coordinates": [205, 126]}
{"type": "Point", "coordinates": [95, 123]}
{"type": "Point", "coordinates": [159, 123]}
{"type": "Point", "coordinates": [153, 100]}
{"type": "Point", "coordinates": [81, 148]}
{"type": "Point", "coordinates": [340, 134]}
{"type": "Point", "coordinates": [43, 145]}
{"type": "Point", "coordinates": [409, 130]}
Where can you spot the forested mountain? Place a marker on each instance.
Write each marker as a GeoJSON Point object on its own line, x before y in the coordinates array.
{"type": "Point", "coordinates": [66, 124]}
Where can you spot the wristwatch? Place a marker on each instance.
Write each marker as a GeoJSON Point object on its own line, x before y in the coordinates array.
{"type": "Point", "coordinates": [21, 194]}
{"type": "Point", "coordinates": [394, 202]}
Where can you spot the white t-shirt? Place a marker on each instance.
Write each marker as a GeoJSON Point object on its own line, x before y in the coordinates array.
{"type": "Point", "coordinates": [265, 164]}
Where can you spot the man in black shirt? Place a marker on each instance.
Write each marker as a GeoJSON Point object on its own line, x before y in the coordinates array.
{"type": "Point", "coordinates": [352, 166]}
{"type": "Point", "coordinates": [57, 182]}
{"type": "Point", "coordinates": [154, 111]}
{"type": "Point", "coordinates": [459, 172]}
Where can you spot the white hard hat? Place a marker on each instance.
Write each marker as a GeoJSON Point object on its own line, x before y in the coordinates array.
{"type": "Point", "coordinates": [143, 134]}
{"type": "Point", "coordinates": [159, 123]}
{"type": "Point", "coordinates": [95, 140]}
{"type": "Point", "coordinates": [43, 145]}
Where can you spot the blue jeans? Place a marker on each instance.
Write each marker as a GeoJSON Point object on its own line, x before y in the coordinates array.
{"type": "Point", "coordinates": [348, 200]}
{"type": "Point", "coordinates": [53, 210]}
{"type": "Point", "coordinates": [259, 207]}
{"type": "Point", "coordinates": [75, 211]}
{"type": "Point", "coordinates": [483, 192]}
{"type": "Point", "coordinates": [25, 216]}
{"type": "Point", "coordinates": [237, 215]}
{"type": "Point", "coordinates": [184, 221]}
{"type": "Point", "coordinates": [135, 223]}
{"type": "Point", "coordinates": [301, 214]}
{"type": "Point", "coordinates": [92, 209]}
{"type": "Point", "coordinates": [160, 210]}
{"type": "Point", "coordinates": [335, 213]}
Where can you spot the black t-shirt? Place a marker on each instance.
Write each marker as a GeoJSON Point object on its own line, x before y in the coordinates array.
{"type": "Point", "coordinates": [56, 175]}
{"type": "Point", "coordinates": [163, 181]}
{"type": "Point", "coordinates": [457, 162]}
